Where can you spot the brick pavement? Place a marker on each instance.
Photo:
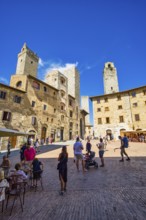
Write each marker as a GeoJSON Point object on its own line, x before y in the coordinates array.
{"type": "Point", "coordinates": [115, 192]}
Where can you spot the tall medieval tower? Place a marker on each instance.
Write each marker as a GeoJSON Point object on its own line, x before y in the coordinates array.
{"type": "Point", "coordinates": [110, 78]}
{"type": "Point", "coordinates": [27, 63]}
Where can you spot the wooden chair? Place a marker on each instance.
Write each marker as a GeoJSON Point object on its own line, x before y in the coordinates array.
{"type": "Point", "coordinates": [17, 187]}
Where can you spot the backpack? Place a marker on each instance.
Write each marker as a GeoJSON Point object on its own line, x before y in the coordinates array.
{"type": "Point", "coordinates": [125, 142]}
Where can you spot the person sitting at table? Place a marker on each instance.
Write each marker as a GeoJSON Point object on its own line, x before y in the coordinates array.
{"type": "Point", "coordinates": [3, 185]}
{"type": "Point", "coordinates": [20, 172]}
{"type": "Point", "coordinates": [5, 165]}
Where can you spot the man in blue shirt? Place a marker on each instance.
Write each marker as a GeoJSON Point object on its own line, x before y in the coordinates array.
{"type": "Point", "coordinates": [124, 144]}
{"type": "Point", "coordinates": [78, 147]}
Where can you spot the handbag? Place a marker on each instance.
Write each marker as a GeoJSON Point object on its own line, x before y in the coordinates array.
{"type": "Point", "coordinates": [59, 164]}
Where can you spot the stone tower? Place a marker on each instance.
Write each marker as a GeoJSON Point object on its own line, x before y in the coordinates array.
{"type": "Point", "coordinates": [110, 78]}
{"type": "Point", "coordinates": [85, 106]}
{"type": "Point", "coordinates": [27, 63]}
{"type": "Point", "coordinates": [73, 82]}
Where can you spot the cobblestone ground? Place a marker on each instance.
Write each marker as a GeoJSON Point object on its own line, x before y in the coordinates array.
{"type": "Point", "coordinates": [115, 192]}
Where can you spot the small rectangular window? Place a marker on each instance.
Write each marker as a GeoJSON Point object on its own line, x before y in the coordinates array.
{"type": "Point", "coordinates": [2, 95]}
{"type": "Point", "coordinates": [137, 118]}
{"type": "Point", "coordinates": [6, 116]}
{"type": "Point", "coordinates": [144, 92]}
{"type": "Point", "coordinates": [71, 114]}
{"type": "Point", "coordinates": [99, 120]}
{"type": "Point", "coordinates": [121, 119]}
{"type": "Point", "coordinates": [106, 108]}
{"type": "Point", "coordinates": [70, 102]}
{"type": "Point", "coordinates": [17, 99]}
{"type": "Point", "coordinates": [99, 110]}
{"type": "Point", "coordinates": [33, 121]}
{"type": "Point", "coordinates": [44, 107]}
{"type": "Point", "coordinates": [107, 120]}
{"type": "Point", "coordinates": [119, 106]}
{"type": "Point", "coordinates": [45, 89]}
{"type": "Point", "coordinates": [33, 104]}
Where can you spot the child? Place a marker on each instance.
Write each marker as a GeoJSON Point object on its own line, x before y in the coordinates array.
{"type": "Point", "coordinates": [37, 169]}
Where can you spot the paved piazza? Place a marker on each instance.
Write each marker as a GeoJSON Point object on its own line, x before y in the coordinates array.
{"type": "Point", "coordinates": [115, 192]}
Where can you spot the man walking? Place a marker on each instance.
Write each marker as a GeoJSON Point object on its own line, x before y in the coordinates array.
{"type": "Point", "coordinates": [124, 144]}
{"type": "Point", "coordinates": [78, 147]}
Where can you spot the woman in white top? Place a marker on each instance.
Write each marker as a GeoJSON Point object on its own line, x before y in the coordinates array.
{"type": "Point", "coordinates": [101, 151]}
{"type": "Point", "coordinates": [3, 185]}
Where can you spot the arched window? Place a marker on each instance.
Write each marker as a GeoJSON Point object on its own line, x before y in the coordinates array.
{"type": "Point", "coordinates": [19, 84]}
{"type": "Point", "coordinates": [62, 93]}
{"type": "Point", "coordinates": [62, 80]}
{"type": "Point", "coordinates": [62, 105]}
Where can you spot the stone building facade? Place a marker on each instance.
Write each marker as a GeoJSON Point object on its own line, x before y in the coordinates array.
{"type": "Point", "coordinates": [49, 108]}
{"type": "Point", "coordinates": [88, 125]}
{"type": "Point", "coordinates": [116, 111]}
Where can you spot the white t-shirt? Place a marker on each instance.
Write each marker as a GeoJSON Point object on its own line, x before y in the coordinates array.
{"type": "Point", "coordinates": [101, 146]}
{"type": "Point", "coordinates": [3, 183]}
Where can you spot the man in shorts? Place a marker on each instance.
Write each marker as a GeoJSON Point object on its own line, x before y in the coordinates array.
{"type": "Point", "coordinates": [124, 144]}
{"type": "Point", "coordinates": [78, 147]}
{"type": "Point", "coordinates": [101, 151]}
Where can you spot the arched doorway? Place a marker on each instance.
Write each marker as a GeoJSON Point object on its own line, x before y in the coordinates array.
{"type": "Point", "coordinates": [31, 136]}
{"type": "Point", "coordinates": [43, 134]}
{"type": "Point", "coordinates": [109, 134]}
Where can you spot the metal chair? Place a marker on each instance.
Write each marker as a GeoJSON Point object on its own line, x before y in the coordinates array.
{"type": "Point", "coordinates": [2, 195]}
{"type": "Point", "coordinates": [36, 177]}
{"type": "Point", "coordinates": [17, 187]}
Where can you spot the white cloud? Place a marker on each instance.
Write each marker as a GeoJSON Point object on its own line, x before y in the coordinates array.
{"type": "Point", "coordinates": [47, 66]}
{"type": "Point", "coordinates": [41, 62]}
{"type": "Point", "coordinates": [4, 80]}
{"type": "Point", "coordinates": [60, 67]}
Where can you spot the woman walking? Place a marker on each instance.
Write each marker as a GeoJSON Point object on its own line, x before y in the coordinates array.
{"type": "Point", "coordinates": [62, 168]}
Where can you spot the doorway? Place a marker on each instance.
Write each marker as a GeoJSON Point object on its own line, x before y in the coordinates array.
{"type": "Point", "coordinates": [43, 134]}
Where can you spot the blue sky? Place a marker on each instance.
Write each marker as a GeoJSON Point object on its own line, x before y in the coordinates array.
{"type": "Point", "coordinates": [87, 33]}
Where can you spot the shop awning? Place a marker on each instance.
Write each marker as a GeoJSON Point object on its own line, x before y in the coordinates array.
{"type": "Point", "coordinates": [5, 132]}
